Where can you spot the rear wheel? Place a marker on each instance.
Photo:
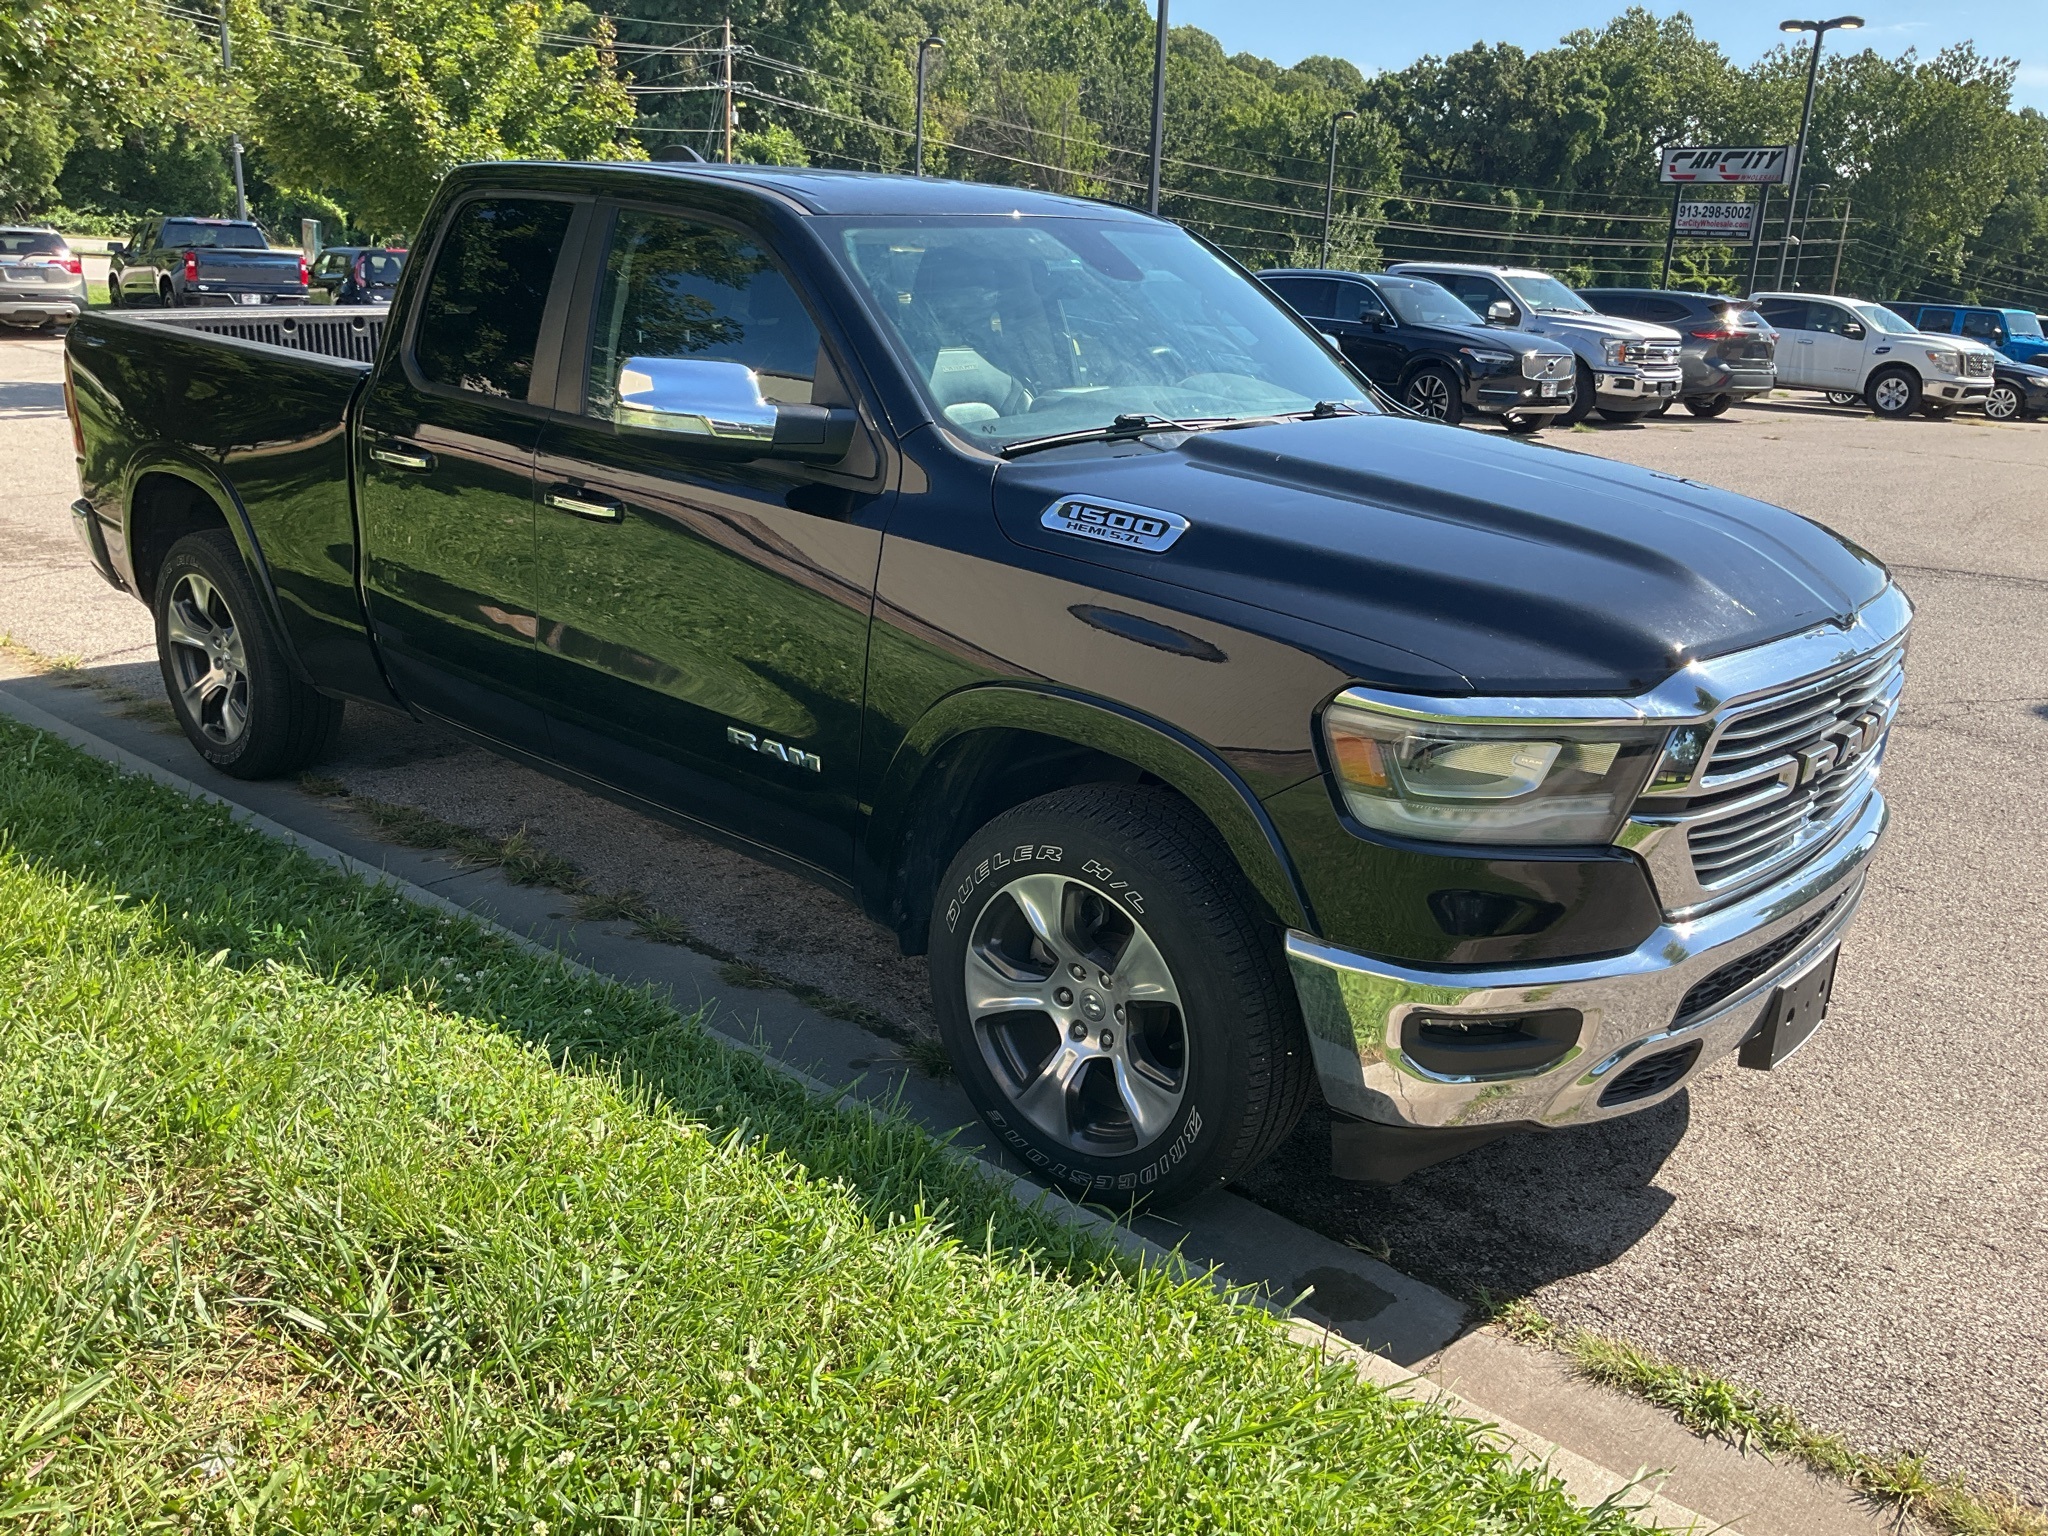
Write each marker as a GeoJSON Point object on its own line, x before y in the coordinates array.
{"type": "Point", "coordinates": [2004, 403]}
{"type": "Point", "coordinates": [1434, 392]}
{"type": "Point", "coordinates": [1710, 407]}
{"type": "Point", "coordinates": [224, 666]}
{"type": "Point", "coordinates": [166, 295]}
{"type": "Point", "coordinates": [1894, 393]}
{"type": "Point", "coordinates": [1842, 397]}
{"type": "Point", "coordinates": [1115, 1007]}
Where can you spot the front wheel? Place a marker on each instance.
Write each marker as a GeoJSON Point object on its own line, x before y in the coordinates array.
{"type": "Point", "coordinates": [2004, 403]}
{"type": "Point", "coordinates": [224, 666]}
{"type": "Point", "coordinates": [1116, 1009]}
{"type": "Point", "coordinates": [1707, 409]}
{"type": "Point", "coordinates": [1434, 392]}
{"type": "Point", "coordinates": [1894, 393]}
{"type": "Point", "coordinates": [1582, 397]}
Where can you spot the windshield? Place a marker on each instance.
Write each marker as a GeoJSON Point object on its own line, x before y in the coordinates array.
{"type": "Point", "coordinates": [1418, 301]}
{"type": "Point", "coordinates": [2020, 323]}
{"type": "Point", "coordinates": [1880, 319]}
{"type": "Point", "coordinates": [239, 237]}
{"type": "Point", "coordinates": [1023, 328]}
{"type": "Point", "coordinates": [1543, 292]}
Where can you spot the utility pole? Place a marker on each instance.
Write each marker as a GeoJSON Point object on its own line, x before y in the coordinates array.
{"type": "Point", "coordinates": [1820, 30]}
{"type": "Point", "coordinates": [1805, 215]}
{"type": "Point", "coordinates": [1330, 186]}
{"type": "Point", "coordinates": [1158, 110]}
{"type": "Point", "coordinates": [1842, 239]}
{"type": "Point", "coordinates": [1756, 238]}
{"type": "Point", "coordinates": [227, 64]}
{"type": "Point", "coordinates": [924, 52]}
{"type": "Point", "coordinates": [728, 54]}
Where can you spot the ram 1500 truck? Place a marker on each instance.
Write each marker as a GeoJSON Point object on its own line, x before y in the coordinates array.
{"type": "Point", "coordinates": [1021, 568]}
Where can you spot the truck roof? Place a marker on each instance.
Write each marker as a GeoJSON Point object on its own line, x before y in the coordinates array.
{"type": "Point", "coordinates": [866, 192]}
{"type": "Point", "coordinates": [1470, 266]}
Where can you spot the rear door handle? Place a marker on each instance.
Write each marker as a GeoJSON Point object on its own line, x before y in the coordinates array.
{"type": "Point", "coordinates": [402, 458]}
{"type": "Point", "coordinates": [597, 511]}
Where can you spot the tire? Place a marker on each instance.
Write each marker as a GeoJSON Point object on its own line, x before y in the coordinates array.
{"type": "Point", "coordinates": [113, 290]}
{"type": "Point", "coordinates": [1843, 397]}
{"type": "Point", "coordinates": [1523, 426]}
{"type": "Point", "coordinates": [1894, 393]}
{"type": "Point", "coordinates": [2004, 403]}
{"type": "Point", "coordinates": [166, 296]}
{"type": "Point", "coordinates": [224, 667]}
{"type": "Point", "coordinates": [1108, 1093]}
{"type": "Point", "coordinates": [1709, 408]}
{"type": "Point", "coordinates": [1434, 391]}
{"type": "Point", "coordinates": [1582, 397]}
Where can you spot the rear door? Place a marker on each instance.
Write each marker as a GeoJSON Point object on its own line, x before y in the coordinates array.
{"type": "Point", "coordinates": [1798, 361]}
{"type": "Point", "coordinates": [444, 459]}
{"type": "Point", "coordinates": [703, 615]}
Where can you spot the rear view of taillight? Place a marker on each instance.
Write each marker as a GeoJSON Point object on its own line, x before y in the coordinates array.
{"type": "Point", "coordinates": [305, 272]}
{"type": "Point", "coordinates": [74, 266]}
{"type": "Point", "coordinates": [191, 266]}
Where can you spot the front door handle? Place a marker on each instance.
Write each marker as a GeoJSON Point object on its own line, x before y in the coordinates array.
{"type": "Point", "coordinates": [597, 511]}
{"type": "Point", "coordinates": [401, 458]}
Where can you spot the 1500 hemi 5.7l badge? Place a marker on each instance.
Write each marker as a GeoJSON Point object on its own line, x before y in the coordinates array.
{"type": "Point", "coordinates": [1112, 522]}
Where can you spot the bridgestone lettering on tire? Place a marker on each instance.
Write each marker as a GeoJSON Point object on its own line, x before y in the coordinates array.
{"type": "Point", "coordinates": [224, 667]}
{"type": "Point", "coordinates": [1115, 1006]}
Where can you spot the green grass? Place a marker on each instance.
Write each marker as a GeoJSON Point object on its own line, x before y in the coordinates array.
{"type": "Point", "coordinates": [320, 1211]}
{"type": "Point", "coordinates": [1721, 1410]}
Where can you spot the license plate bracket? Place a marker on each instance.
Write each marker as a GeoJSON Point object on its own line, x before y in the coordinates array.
{"type": "Point", "coordinates": [1550, 389]}
{"type": "Point", "coordinates": [1795, 1011]}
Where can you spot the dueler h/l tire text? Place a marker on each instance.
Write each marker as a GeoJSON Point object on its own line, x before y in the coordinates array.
{"type": "Point", "coordinates": [1115, 1007]}
{"type": "Point", "coordinates": [224, 667]}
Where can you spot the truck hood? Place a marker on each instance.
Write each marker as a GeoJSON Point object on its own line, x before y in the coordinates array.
{"type": "Point", "coordinates": [1543, 321]}
{"type": "Point", "coordinates": [1517, 567]}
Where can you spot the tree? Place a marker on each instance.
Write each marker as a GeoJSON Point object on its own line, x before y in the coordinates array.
{"type": "Point", "coordinates": [377, 103]}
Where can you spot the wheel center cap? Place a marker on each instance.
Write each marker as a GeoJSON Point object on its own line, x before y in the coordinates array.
{"type": "Point", "coordinates": [1092, 1007]}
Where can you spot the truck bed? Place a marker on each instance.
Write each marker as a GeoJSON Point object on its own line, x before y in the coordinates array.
{"type": "Point", "coordinates": [252, 408]}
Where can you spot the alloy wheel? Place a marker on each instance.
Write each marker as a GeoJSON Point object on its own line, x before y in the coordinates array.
{"type": "Point", "coordinates": [2003, 403]}
{"type": "Point", "coordinates": [1077, 1015]}
{"type": "Point", "coordinates": [1892, 394]}
{"type": "Point", "coordinates": [1429, 394]}
{"type": "Point", "coordinates": [207, 659]}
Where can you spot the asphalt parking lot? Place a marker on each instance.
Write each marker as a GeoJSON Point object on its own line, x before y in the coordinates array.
{"type": "Point", "coordinates": [1860, 1235]}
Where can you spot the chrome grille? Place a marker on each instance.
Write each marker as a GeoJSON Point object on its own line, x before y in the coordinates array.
{"type": "Point", "coordinates": [1783, 774]}
{"type": "Point", "coordinates": [1976, 365]}
{"type": "Point", "coordinates": [1547, 365]}
{"type": "Point", "coordinates": [1652, 352]}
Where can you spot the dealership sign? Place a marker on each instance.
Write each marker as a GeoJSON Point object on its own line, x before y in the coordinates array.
{"type": "Point", "coordinates": [1723, 167]}
{"type": "Point", "coordinates": [1734, 221]}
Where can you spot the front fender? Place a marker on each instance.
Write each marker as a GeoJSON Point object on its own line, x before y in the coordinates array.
{"type": "Point", "coordinates": [1156, 748]}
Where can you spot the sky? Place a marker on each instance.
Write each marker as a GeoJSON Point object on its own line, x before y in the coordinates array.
{"type": "Point", "coordinates": [1389, 36]}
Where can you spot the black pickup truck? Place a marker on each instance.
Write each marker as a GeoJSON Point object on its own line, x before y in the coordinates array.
{"type": "Point", "coordinates": [174, 263]}
{"type": "Point", "coordinates": [1020, 567]}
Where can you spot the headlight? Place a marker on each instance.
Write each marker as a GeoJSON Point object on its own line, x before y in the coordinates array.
{"type": "Point", "coordinates": [1945, 362]}
{"type": "Point", "coordinates": [1446, 781]}
{"type": "Point", "coordinates": [1615, 352]}
{"type": "Point", "coordinates": [1492, 359]}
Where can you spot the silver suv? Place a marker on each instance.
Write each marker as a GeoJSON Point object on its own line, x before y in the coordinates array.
{"type": "Point", "coordinates": [1628, 369]}
{"type": "Point", "coordinates": [42, 282]}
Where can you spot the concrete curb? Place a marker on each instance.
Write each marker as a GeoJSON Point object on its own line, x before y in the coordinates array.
{"type": "Point", "coordinates": [1585, 1480]}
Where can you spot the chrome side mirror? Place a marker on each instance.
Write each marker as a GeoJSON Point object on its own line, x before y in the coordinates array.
{"type": "Point", "coordinates": [1334, 343]}
{"type": "Point", "coordinates": [1501, 312]}
{"type": "Point", "coordinates": [720, 404]}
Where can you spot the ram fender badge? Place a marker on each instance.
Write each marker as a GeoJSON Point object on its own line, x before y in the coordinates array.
{"type": "Point", "coordinates": [1115, 522]}
{"type": "Point", "coordinates": [794, 756]}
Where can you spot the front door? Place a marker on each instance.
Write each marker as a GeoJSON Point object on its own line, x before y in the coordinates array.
{"type": "Point", "coordinates": [445, 463]}
{"type": "Point", "coordinates": [703, 615]}
{"type": "Point", "coordinates": [1838, 350]}
{"type": "Point", "coordinates": [1364, 327]}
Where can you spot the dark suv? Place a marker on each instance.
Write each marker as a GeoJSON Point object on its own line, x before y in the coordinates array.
{"type": "Point", "coordinates": [1728, 353]}
{"type": "Point", "coordinates": [357, 274]}
{"type": "Point", "coordinates": [1425, 346]}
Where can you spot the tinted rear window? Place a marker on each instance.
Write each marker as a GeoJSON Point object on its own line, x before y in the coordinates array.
{"type": "Point", "coordinates": [234, 237]}
{"type": "Point", "coordinates": [383, 269]}
{"type": "Point", "coordinates": [33, 242]}
{"type": "Point", "coordinates": [480, 322]}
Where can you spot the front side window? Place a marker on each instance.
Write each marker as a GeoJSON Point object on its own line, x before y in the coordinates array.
{"type": "Point", "coordinates": [479, 323]}
{"type": "Point", "coordinates": [1475, 292]}
{"type": "Point", "coordinates": [1983, 324]}
{"type": "Point", "coordinates": [1829, 320]}
{"type": "Point", "coordinates": [1024, 328]}
{"type": "Point", "coordinates": [1878, 318]}
{"type": "Point", "coordinates": [1418, 301]}
{"type": "Point", "coordinates": [1357, 301]}
{"type": "Point", "coordinates": [677, 288]}
{"type": "Point", "coordinates": [1939, 321]}
{"type": "Point", "coordinates": [1544, 293]}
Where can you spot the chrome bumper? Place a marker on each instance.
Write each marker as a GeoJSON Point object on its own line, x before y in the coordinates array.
{"type": "Point", "coordinates": [1637, 386]}
{"type": "Point", "coordinates": [1355, 1006]}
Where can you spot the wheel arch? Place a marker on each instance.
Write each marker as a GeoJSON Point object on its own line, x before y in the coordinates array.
{"type": "Point", "coordinates": [167, 495]}
{"type": "Point", "coordinates": [1892, 365]}
{"type": "Point", "coordinates": [983, 750]}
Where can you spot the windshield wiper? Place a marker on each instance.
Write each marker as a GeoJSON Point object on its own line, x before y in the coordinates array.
{"type": "Point", "coordinates": [1129, 426]}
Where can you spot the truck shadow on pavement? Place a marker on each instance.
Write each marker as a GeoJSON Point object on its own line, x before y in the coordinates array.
{"type": "Point", "coordinates": [1498, 1222]}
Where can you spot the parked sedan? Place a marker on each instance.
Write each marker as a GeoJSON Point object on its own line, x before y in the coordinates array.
{"type": "Point", "coordinates": [42, 283]}
{"type": "Point", "coordinates": [1424, 346]}
{"type": "Point", "coordinates": [357, 274]}
{"type": "Point", "coordinates": [1727, 351]}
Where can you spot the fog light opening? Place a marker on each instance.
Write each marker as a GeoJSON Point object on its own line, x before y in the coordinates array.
{"type": "Point", "coordinates": [1489, 1045]}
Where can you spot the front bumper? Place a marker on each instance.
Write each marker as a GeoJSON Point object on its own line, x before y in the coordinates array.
{"type": "Point", "coordinates": [1641, 388]}
{"type": "Point", "coordinates": [1956, 391]}
{"type": "Point", "coordinates": [1498, 394]}
{"type": "Point", "coordinates": [1355, 1007]}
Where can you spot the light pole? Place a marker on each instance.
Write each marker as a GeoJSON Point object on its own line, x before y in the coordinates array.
{"type": "Point", "coordinates": [1330, 186]}
{"type": "Point", "coordinates": [924, 53]}
{"type": "Point", "coordinates": [1819, 29]}
{"type": "Point", "coordinates": [1158, 110]}
{"type": "Point", "coordinates": [227, 65]}
{"type": "Point", "coordinates": [1805, 218]}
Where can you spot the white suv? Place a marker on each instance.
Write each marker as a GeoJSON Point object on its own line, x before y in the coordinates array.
{"type": "Point", "coordinates": [1853, 347]}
